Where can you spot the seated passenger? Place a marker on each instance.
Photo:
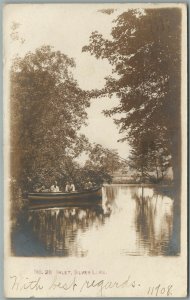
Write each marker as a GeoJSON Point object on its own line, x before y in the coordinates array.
{"type": "Point", "coordinates": [70, 187]}
{"type": "Point", "coordinates": [54, 188]}
{"type": "Point", "coordinates": [39, 188]}
{"type": "Point", "coordinates": [88, 185]}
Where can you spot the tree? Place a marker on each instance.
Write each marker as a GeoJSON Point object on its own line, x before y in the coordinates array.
{"type": "Point", "coordinates": [149, 156]}
{"type": "Point", "coordinates": [101, 164]}
{"type": "Point", "coordinates": [145, 54]}
{"type": "Point", "coordinates": [47, 111]}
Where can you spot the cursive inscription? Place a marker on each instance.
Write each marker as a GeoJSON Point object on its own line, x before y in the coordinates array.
{"type": "Point", "coordinates": [73, 284]}
{"type": "Point", "coordinates": [63, 285]}
{"type": "Point", "coordinates": [56, 283]}
{"type": "Point", "coordinates": [102, 285]}
{"type": "Point", "coordinates": [26, 283]}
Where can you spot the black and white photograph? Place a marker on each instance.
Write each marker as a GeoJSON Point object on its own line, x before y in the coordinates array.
{"type": "Point", "coordinates": [95, 124]}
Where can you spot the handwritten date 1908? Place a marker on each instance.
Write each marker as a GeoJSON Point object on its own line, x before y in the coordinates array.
{"type": "Point", "coordinates": [160, 290]}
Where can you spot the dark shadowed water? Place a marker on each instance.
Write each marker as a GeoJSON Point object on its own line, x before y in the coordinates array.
{"type": "Point", "coordinates": [129, 221]}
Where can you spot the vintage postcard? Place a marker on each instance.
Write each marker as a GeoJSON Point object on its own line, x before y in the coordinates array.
{"type": "Point", "coordinates": [95, 150]}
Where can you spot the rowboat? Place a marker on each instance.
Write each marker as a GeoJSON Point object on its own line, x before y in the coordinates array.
{"type": "Point", "coordinates": [89, 196]}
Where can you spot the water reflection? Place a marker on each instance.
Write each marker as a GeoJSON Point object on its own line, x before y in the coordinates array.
{"type": "Point", "coordinates": [59, 229]}
{"type": "Point", "coordinates": [153, 221]}
{"type": "Point", "coordinates": [130, 221]}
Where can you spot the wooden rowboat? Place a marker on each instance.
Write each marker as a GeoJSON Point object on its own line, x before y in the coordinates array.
{"type": "Point", "coordinates": [60, 197]}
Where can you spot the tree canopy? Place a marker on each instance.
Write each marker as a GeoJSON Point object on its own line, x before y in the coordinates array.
{"type": "Point", "coordinates": [102, 163]}
{"type": "Point", "coordinates": [47, 111]}
{"type": "Point", "coordinates": [144, 50]}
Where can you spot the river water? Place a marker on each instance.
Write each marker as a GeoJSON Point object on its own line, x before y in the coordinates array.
{"type": "Point", "coordinates": [131, 220]}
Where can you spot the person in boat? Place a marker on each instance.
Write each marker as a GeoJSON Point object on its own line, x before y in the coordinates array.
{"type": "Point", "coordinates": [70, 187]}
{"type": "Point", "coordinates": [44, 189]}
{"type": "Point", "coordinates": [88, 185]}
{"type": "Point", "coordinates": [54, 188]}
{"type": "Point", "coordinates": [39, 188]}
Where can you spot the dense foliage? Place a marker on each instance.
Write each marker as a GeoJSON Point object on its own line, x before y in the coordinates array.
{"type": "Point", "coordinates": [47, 111]}
{"type": "Point", "coordinates": [144, 51]}
{"type": "Point", "coordinates": [101, 164]}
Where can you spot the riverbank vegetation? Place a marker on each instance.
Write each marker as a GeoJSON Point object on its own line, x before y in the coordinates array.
{"type": "Point", "coordinates": [48, 107]}
{"type": "Point", "coordinates": [144, 52]}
